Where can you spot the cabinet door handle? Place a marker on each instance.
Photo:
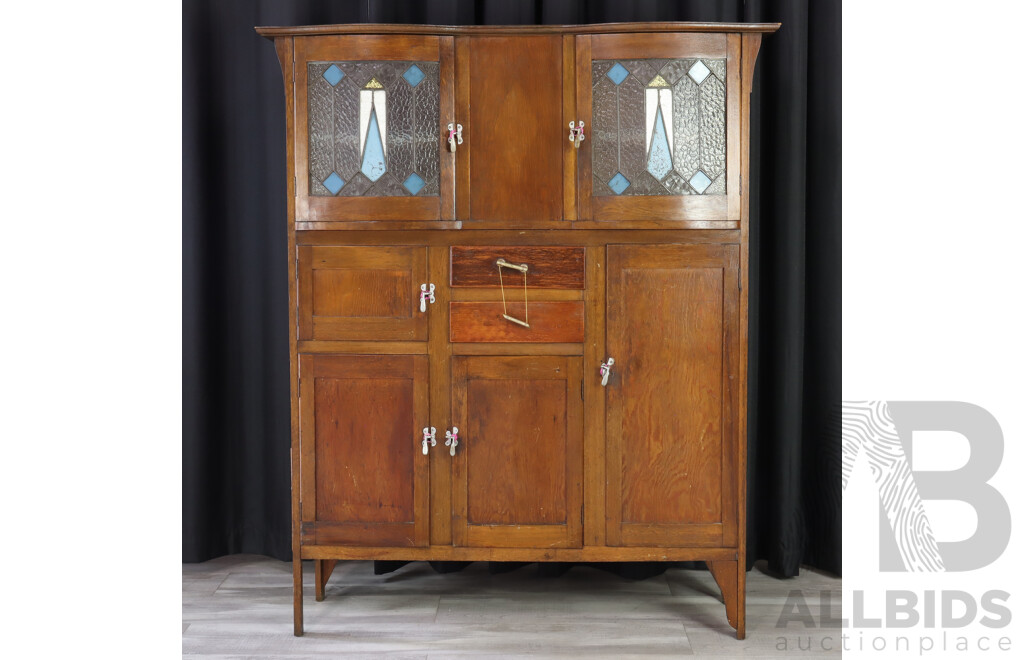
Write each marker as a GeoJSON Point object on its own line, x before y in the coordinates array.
{"type": "Point", "coordinates": [454, 136]}
{"type": "Point", "coordinates": [606, 371]}
{"type": "Point", "coordinates": [425, 295]}
{"type": "Point", "coordinates": [576, 133]}
{"type": "Point", "coordinates": [452, 439]}
{"type": "Point", "coordinates": [429, 438]}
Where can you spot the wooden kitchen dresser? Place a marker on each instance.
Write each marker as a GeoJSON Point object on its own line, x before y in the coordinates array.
{"type": "Point", "coordinates": [518, 293]}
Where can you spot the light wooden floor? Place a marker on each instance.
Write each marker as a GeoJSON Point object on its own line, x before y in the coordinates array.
{"type": "Point", "coordinates": [241, 606]}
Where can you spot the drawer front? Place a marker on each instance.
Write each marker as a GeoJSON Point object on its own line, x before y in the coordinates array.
{"type": "Point", "coordinates": [550, 267]}
{"type": "Point", "coordinates": [550, 322]}
{"type": "Point", "coordinates": [361, 293]}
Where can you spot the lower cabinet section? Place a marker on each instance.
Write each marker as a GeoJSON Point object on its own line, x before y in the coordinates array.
{"type": "Point", "coordinates": [481, 445]}
{"type": "Point", "coordinates": [363, 476]}
{"type": "Point", "coordinates": [518, 471]}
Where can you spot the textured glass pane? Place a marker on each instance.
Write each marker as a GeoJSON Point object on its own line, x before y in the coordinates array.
{"type": "Point", "coordinates": [374, 127]}
{"type": "Point", "coordinates": [712, 126]}
{"type": "Point", "coordinates": [658, 125]}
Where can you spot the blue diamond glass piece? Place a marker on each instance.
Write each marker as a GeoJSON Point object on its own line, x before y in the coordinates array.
{"type": "Point", "coordinates": [413, 75]}
{"type": "Point", "coordinates": [414, 183]}
{"type": "Point", "coordinates": [618, 183]}
{"type": "Point", "coordinates": [699, 72]}
{"type": "Point", "coordinates": [617, 73]}
{"type": "Point", "coordinates": [373, 166]}
{"type": "Point", "coordinates": [659, 161]}
{"type": "Point", "coordinates": [700, 182]}
{"type": "Point", "coordinates": [333, 75]}
{"type": "Point", "coordinates": [334, 183]}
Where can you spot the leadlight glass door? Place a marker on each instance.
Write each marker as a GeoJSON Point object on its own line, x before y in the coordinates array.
{"type": "Point", "coordinates": [369, 113]}
{"type": "Point", "coordinates": [662, 130]}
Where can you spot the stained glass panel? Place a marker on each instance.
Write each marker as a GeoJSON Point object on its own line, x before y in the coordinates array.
{"type": "Point", "coordinates": [659, 127]}
{"type": "Point", "coordinates": [373, 128]}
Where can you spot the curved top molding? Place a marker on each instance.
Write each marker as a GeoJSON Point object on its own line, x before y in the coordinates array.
{"type": "Point", "coordinates": [601, 28]}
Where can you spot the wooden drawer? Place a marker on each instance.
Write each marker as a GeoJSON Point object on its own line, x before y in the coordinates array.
{"type": "Point", "coordinates": [550, 267]}
{"type": "Point", "coordinates": [361, 293]}
{"type": "Point", "coordinates": [559, 322]}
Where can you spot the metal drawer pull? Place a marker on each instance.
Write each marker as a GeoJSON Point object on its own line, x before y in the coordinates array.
{"type": "Point", "coordinates": [452, 439]}
{"type": "Point", "coordinates": [429, 437]}
{"type": "Point", "coordinates": [425, 295]}
{"type": "Point", "coordinates": [522, 268]}
{"type": "Point", "coordinates": [576, 134]}
{"type": "Point", "coordinates": [454, 136]}
{"type": "Point", "coordinates": [606, 370]}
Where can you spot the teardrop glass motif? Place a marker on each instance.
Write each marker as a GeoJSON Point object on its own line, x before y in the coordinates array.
{"type": "Point", "coordinates": [374, 166]}
{"type": "Point", "coordinates": [659, 160]}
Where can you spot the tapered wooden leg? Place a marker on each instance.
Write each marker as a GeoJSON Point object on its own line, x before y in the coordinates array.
{"type": "Point", "coordinates": [323, 570]}
{"type": "Point", "coordinates": [297, 593]}
{"type": "Point", "coordinates": [732, 581]}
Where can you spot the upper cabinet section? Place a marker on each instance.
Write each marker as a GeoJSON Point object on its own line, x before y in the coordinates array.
{"type": "Point", "coordinates": [663, 114]}
{"type": "Point", "coordinates": [613, 127]}
{"type": "Point", "coordinates": [368, 138]}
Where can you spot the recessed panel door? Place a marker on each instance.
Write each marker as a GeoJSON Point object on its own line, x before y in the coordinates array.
{"type": "Point", "coordinates": [672, 445]}
{"type": "Point", "coordinates": [363, 293]}
{"type": "Point", "coordinates": [511, 167]}
{"type": "Point", "coordinates": [363, 474]}
{"type": "Point", "coordinates": [517, 471]}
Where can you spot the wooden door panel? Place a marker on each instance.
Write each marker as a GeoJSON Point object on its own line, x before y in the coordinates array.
{"type": "Point", "coordinates": [672, 329]}
{"type": "Point", "coordinates": [361, 293]}
{"type": "Point", "coordinates": [662, 112]}
{"type": "Point", "coordinates": [363, 476]}
{"type": "Point", "coordinates": [369, 116]}
{"type": "Point", "coordinates": [517, 476]}
{"type": "Point", "coordinates": [512, 159]}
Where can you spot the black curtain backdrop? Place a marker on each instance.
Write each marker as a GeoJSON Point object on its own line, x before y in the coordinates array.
{"type": "Point", "coordinates": [235, 367]}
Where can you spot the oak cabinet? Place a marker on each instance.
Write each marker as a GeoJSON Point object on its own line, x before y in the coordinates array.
{"type": "Point", "coordinates": [517, 294]}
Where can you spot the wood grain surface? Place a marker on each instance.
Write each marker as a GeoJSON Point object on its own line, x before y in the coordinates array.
{"type": "Point", "coordinates": [550, 267]}
{"type": "Point", "coordinates": [515, 128]}
{"type": "Point", "coordinates": [554, 321]}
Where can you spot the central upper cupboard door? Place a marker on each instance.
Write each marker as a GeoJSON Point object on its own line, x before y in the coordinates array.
{"type": "Point", "coordinates": [370, 113]}
{"type": "Point", "coordinates": [663, 130]}
{"type": "Point", "coordinates": [516, 166]}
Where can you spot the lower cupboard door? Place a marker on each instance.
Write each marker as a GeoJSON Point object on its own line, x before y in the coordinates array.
{"type": "Point", "coordinates": [363, 475]}
{"type": "Point", "coordinates": [518, 466]}
{"type": "Point", "coordinates": [672, 450]}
